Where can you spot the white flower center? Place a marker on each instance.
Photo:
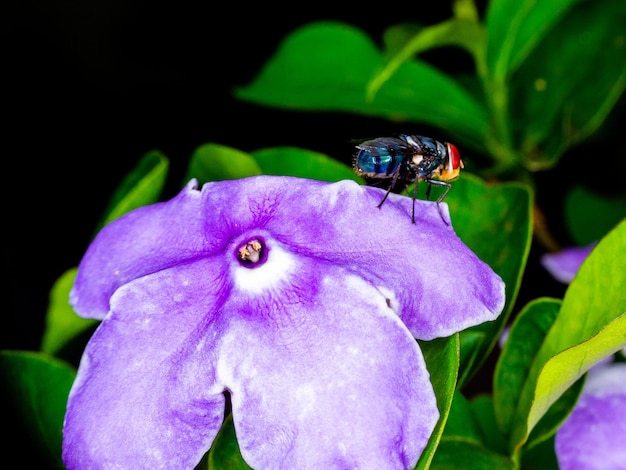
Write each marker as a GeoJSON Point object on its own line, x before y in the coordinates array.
{"type": "Point", "coordinates": [266, 275]}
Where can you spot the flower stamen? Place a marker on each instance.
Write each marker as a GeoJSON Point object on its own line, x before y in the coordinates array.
{"type": "Point", "coordinates": [251, 252]}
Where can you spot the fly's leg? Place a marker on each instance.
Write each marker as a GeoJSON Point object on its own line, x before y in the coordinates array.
{"type": "Point", "coordinates": [391, 186]}
{"type": "Point", "coordinates": [415, 197]}
{"type": "Point", "coordinates": [385, 198]}
{"type": "Point", "coordinates": [440, 198]}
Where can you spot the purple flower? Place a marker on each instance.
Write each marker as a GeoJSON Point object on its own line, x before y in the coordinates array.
{"type": "Point", "coordinates": [594, 434]}
{"type": "Point", "coordinates": [298, 297]}
{"type": "Point", "coordinates": [564, 264]}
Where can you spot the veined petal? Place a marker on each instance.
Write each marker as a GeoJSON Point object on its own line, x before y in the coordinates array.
{"type": "Point", "coordinates": [143, 241]}
{"type": "Point", "coordinates": [145, 395]}
{"type": "Point", "coordinates": [323, 374]}
{"type": "Point", "coordinates": [299, 297]}
{"type": "Point", "coordinates": [433, 281]}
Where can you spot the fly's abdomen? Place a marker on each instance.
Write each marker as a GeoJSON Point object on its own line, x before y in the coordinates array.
{"type": "Point", "coordinates": [376, 165]}
{"type": "Point", "coordinates": [380, 158]}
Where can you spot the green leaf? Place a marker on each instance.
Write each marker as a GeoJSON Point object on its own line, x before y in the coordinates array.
{"type": "Point", "coordinates": [472, 348]}
{"type": "Point", "coordinates": [524, 340]}
{"type": "Point", "coordinates": [215, 162]}
{"type": "Point", "coordinates": [561, 371]}
{"type": "Point", "coordinates": [515, 28]}
{"type": "Point", "coordinates": [590, 216]}
{"type": "Point", "coordinates": [291, 161]}
{"type": "Point", "coordinates": [442, 361]}
{"type": "Point", "coordinates": [566, 88]}
{"type": "Point", "coordinates": [140, 187]}
{"type": "Point", "coordinates": [327, 66]}
{"type": "Point", "coordinates": [483, 409]}
{"type": "Point", "coordinates": [453, 454]}
{"type": "Point", "coordinates": [406, 41]}
{"type": "Point", "coordinates": [540, 457]}
{"type": "Point", "coordinates": [461, 424]}
{"type": "Point", "coordinates": [495, 221]}
{"type": "Point", "coordinates": [62, 322]}
{"type": "Point", "coordinates": [590, 325]}
{"type": "Point", "coordinates": [396, 41]}
{"type": "Point", "coordinates": [595, 297]}
{"type": "Point", "coordinates": [555, 415]}
{"type": "Point", "coordinates": [527, 334]}
{"type": "Point", "coordinates": [225, 453]}
{"type": "Point", "coordinates": [34, 391]}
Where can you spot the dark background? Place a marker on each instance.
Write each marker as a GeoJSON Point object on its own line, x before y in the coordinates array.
{"type": "Point", "coordinates": [89, 87]}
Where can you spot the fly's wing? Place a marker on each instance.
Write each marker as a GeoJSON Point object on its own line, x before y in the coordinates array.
{"type": "Point", "coordinates": [383, 146]}
{"type": "Point", "coordinates": [426, 146]}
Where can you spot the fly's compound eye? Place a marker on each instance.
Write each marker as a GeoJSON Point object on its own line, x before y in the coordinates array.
{"type": "Point", "coordinates": [455, 157]}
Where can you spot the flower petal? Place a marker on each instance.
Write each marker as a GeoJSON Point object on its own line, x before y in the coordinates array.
{"type": "Point", "coordinates": [564, 265]}
{"type": "Point", "coordinates": [143, 241]}
{"type": "Point", "coordinates": [434, 282]}
{"type": "Point", "coordinates": [338, 376]}
{"type": "Point", "coordinates": [145, 395]}
{"type": "Point", "coordinates": [592, 437]}
{"type": "Point", "coordinates": [314, 339]}
{"type": "Point", "coordinates": [323, 374]}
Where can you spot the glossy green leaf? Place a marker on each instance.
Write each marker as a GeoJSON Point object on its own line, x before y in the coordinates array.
{"type": "Point", "coordinates": [540, 457]}
{"type": "Point", "coordinates": [595, 297]}
{"type": "Point", "coordinates": [566, 88]}
{"type": "Point", "coordinates": [484, 415]}
{"type": "Point", "coordinates": [455, 454]}
{"type": "Point", "coordinates": [142, 186]}
{"type": "Point", "coordinates": [590, 325]}
{"type": "Point", "coordinates": [62, 322]}
{"type": "Point", "coordinates": [461, 424]}
{"type": "Point", "coordinates": [215, 162]}
{"type": "Point", "coordinates": [472, 348]}
{"type": "Point", "coordinates": [327, 66]}
{"type": "Point", "coordinates": [34, 390]}
{"type": "Point", "coordinates": [224, 453]}
{"type": "Point", "coordinates": [502, 214]}
{"type": "Point", "coordinates": [555, 414]}
{"type": "Point", "coordinates": [561, 371]}
{"type": "Point", "coordinates": [515, 28]}
{"type": "Point", "coordinates": [524, 340]}
{"type": "Point", "coordinates": [291, 161]}
{"type": "Point", "coordinates": [442, 360]}
{"type": "Point", "coordinates": [469, 35]}
{"type": "Point", "coordinates": [396, 39]}
{"type": "Point", "coordinates": [590, 216]}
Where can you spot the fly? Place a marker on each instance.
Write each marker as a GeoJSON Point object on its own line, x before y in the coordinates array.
{"type": "Point", "coordinates": [409, 158]}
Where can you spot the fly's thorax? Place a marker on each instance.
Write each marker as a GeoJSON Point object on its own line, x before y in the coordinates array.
{"type": "Point", "coordinates": [426, 166]}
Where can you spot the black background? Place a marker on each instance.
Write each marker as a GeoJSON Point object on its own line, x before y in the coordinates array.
{"type": "Point", "coordinates": [89, 87]}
